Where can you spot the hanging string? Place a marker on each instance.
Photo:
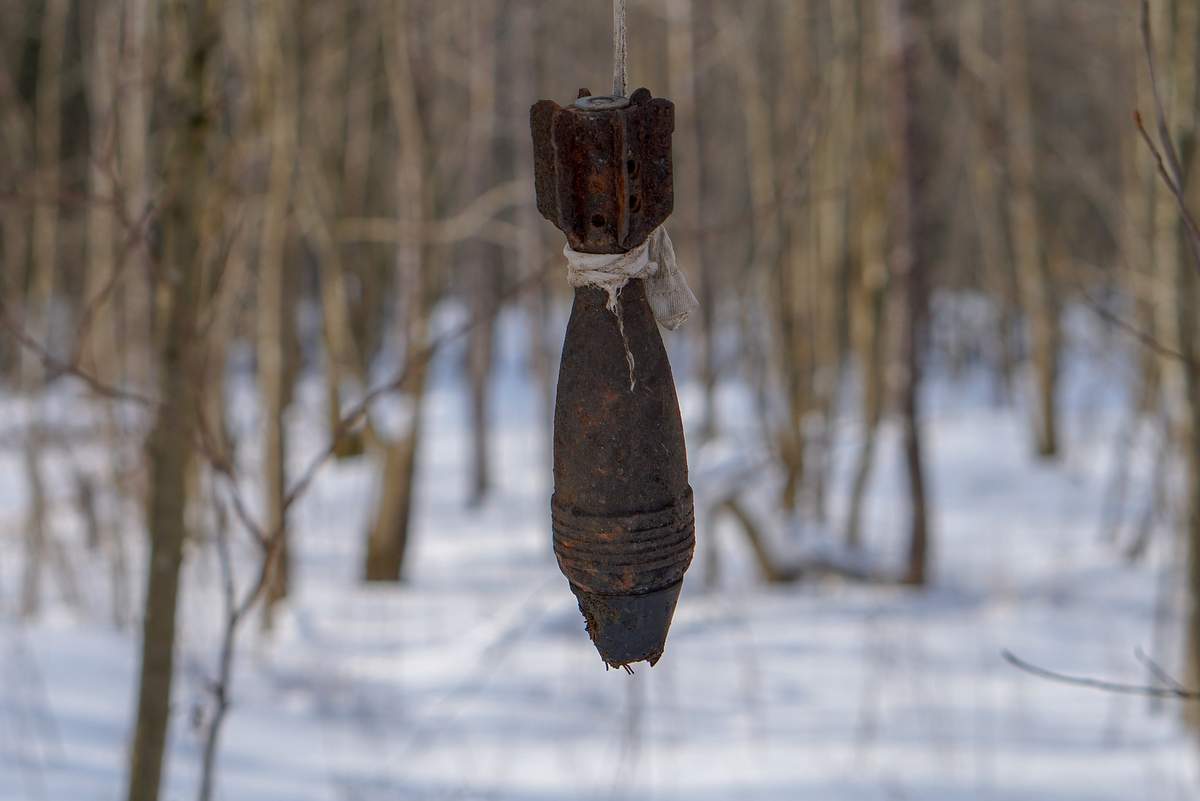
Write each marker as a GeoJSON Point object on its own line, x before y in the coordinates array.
{"type": "Point", "coordinates": [653, 262]}
{"type": "Point", "coordinates": [620, 54]}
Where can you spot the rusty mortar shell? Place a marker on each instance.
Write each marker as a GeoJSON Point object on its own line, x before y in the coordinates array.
{"type": "Point", "coordinates": [621, 513]}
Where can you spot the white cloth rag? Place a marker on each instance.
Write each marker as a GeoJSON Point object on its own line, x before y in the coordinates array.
{"type": "Point", "coordinates": [653, 261]}
{"type": "Point", "coordinates": [667, 291]}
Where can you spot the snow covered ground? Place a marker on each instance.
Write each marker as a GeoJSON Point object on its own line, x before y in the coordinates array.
{"type": "Point", "coordinates": [475, 680]}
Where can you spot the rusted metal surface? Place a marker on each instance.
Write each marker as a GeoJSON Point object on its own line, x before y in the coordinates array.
{"type": "Point", "coordinates": [624, 530]}
{"type": "Point", "coordinates": [604, 177]}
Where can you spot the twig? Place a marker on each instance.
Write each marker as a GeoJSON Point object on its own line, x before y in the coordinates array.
{"type": "Point", "coordinates": [1173, 691]}
{"type": "Point", "coordinates": [56, 367]}
{"type": "Point", "coordinates": [1169, 167]}
{"type": "Point", "coordinates": [221, 686]}
{"type": "Point", "coordinates": [1108, 315]}
{"type": "Point", "coordinates": [271, 542]}
{"type": "Point", "coordinates": [359, 410]}
{"type": "Point", "coordinates": [136, 231]}
{"type": "Point", "coordinates": [1156, 670]}
{"type": "Point", "coordinates": [1173, 183]}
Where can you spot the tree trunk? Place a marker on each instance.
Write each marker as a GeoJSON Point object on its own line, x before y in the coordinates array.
{"type": "Point", "coordinates": [16, 145]}
{"type": "Point", "coordinates": [690, 183]}
{"type": "Point", "coordinates": [868, 294]}
{"type": "Point", "coordinates": [909, 257]}
{"type": "Point", "coordinates": [169, 445]}
{"type": "Point", "coordinates": [343, 364]}
{"type": "Point", "coordinates": [136, 317]}
{"type": "Point", "coordinates": [481, 266]}
{"type": "Point", "coordinates": [768, 265]}
{"type": "Point", "coordinates": [998, 273]}
{"type": "Point", "coordinates": [323, 180]}
{"type": "Point", "coordinates": [1183, 274]}
{"type": "Point", "coordinates": [1139, 185]}
{"type": "Point", "coordinates": [278, 77]}
{"type": "Point", "coordinates": [389, 532]}
{"type": "Point", "coordinates": [37, 322]}
{"type": "Point", "coordinates": [1034, 274]}
{"type": "Point", "coordinates": [100, 355]}
{"type": "Point", "coordinates": [831, 209]}
{"type": "Point", "coordinates": [529, 256]}
{"type": "Point", "coordinates": [48, 142]}
{"type": "Point", "coordinates": [798, 260]}
{"type": "Point", "coordinates": [36, 539]}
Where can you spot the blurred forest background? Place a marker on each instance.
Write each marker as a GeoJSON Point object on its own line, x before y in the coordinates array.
{"type": "Point", "coordinates": [243, 244]}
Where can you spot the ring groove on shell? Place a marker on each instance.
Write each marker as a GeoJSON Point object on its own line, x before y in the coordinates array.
{"type": "Point", "coordinates": [625, 554]}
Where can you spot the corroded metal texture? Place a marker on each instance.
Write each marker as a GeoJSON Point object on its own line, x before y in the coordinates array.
{"type": "Point", "coordinates": [622, 516]}
{"type": "Point", "coordinates": [604, 176]}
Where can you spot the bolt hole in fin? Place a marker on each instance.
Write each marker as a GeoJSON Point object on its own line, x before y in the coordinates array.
{"type": "Point", "coordinates": [635, 203]}
{"type": "Point", "coordinates": [598, 220]}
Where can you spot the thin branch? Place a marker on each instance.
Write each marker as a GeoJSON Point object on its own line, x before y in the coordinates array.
{"type": "Point", "coordinates": [222, 684]}
{"type": "Point", "coordinates": [237, 610]}
{"type": "Point", "coordinates": [1164, 129]}
{"type": "Point", "coordinates": [56, 367]}
{"type": "Point", "coordinates": [1169, 166]}
{"type": "Point", "coordinates": [1174, 185]}
{"type": "Point", "coordinates": [359, 410]}
{"type": "Point", "coordinates": [1157, 671]}
{"type": "Point", "coordinates": [463, 225]}
{"type": "Point", "coordinates": [1141, 336]}
{"type": "Point", "coordinates": [136, 235]}
{"type": "Point", "coordinates": [1173, 691]}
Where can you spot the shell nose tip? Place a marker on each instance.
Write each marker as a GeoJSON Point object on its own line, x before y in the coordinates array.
{"type": "Point", "coordinates": [629, 628]}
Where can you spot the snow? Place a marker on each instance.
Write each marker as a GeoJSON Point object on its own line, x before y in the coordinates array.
{"type": "Point", "coordinates": [475, 679]}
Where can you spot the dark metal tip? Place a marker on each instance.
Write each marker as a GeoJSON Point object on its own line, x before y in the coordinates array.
{"type": "Point", "coordinates": [629, 628]}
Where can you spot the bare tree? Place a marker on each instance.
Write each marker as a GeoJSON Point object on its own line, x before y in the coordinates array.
{"type": "Point", "coordinates": [482, 266]}
{"type": "Point", "coordinates": [192, 35]}
{"type": "Point", "coordinates": [275, 49]}
{"type": "Point", "coordinates": [1034, 272]}
{"type": "Point", "coordinates": [869, 282]}
{"type": "Point", "coordinates": [691, 182]}
{"type": "Point", "coordinates": [100, 355]}
{"type": "Point", "coordinates": [1179, 122]}
{"type": "Point", "coordinates": [388, 538]}
{"type": "Point", "coordinates": [909, 257]}
{"type": "Point", "coordinates": [44, 267]}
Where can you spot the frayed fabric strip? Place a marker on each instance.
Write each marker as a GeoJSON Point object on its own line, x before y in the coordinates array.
{"type": "Point", "coordinates": [670, 297]}
{"type": "Point", "coordinates": [667, 291]}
